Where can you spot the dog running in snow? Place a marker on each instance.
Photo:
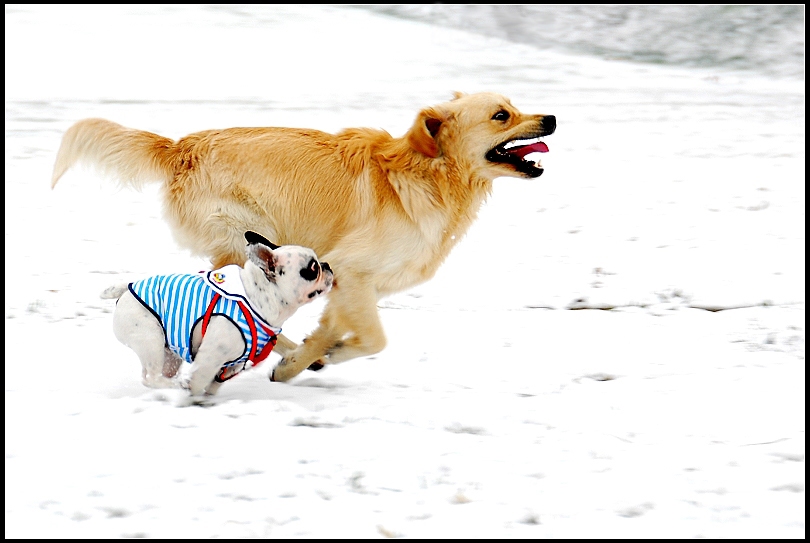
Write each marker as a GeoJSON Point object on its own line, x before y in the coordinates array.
{"type": "Point", "coordinates": [385, 211]}
{"type": "Point", "coordinates": [221, 321]}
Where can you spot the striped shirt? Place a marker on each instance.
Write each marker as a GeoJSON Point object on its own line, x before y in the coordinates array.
{"type": "Point", "coordinates": [180, 301]}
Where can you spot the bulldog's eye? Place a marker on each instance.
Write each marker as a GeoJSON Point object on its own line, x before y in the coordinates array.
{"type": "Point", "coordinates": [502, 115]}
{"type": "Point", "coordinates": [310, 273]}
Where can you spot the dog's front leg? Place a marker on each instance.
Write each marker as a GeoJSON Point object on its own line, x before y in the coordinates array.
{"type": "Point", "coordinates": [223, 342]}
{"type": "Point", "coordinates": [313, 350]}
{"type": "Point", "coordinates": [212, 389]}
{"type": "Point", "coordinates": [350, 327]}
{"type": "Point", "coordinates": [284, 345]}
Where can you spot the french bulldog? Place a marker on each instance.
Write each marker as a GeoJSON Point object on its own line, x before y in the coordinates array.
{"type": "Point", "coordinates": [221, 321]}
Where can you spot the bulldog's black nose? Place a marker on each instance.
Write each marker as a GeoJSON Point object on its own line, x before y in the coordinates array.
{"type": "Point", "coordinates": [549, 124]}
{"type": "Point", "coordinates": [310, 273]}
{"type": "Point", "coordinates": [325, 266]}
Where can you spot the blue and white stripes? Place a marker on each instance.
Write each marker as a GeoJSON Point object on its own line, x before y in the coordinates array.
{"type": "Point", "coordinates": [180, 301]}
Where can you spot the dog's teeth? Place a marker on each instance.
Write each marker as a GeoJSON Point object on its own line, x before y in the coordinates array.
{"type": "Point", "coordinates": [520, 143]}
{"type": "Point", "coordinates": [533, 157]}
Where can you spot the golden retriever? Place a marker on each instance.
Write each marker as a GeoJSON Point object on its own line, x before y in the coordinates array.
{"type": "Point", "coordinates": [384, 211]}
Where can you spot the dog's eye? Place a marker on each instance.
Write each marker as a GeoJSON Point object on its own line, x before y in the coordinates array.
{"type": "Point", "coordinates": [310, 273]}
{"type": "Point", "coordinates": [502, 115]}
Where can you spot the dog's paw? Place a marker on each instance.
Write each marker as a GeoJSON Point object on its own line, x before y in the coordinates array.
{"type": "Point", "coordinates": [277, 372]}
{"type": "Point", "coordinates": [282, 372]}
{"type": "Point", "coordinates": [289, 366]}
{"type": "Point", "coordinates": [183, 383]}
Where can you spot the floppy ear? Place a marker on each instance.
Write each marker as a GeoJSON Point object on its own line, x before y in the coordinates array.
{"type": "Point", "coordinates": [457, 95]}
{"type": "Point", "coordinates": [422, 135]}
{"type": "Point", "coordinates": [252, 238]}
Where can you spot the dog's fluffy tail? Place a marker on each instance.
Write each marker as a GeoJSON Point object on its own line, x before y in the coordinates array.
{"type": "Point", "coordinates": [114, 292]}
{"type": "Point", "coordinates": [132, 157]}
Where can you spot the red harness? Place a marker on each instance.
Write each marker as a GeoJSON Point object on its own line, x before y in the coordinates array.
{"type": "Point", "coordinates": [254, 360]}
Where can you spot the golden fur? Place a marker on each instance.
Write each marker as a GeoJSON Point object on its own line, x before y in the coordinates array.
{"type": "Point", "coordinates": [383, 211]}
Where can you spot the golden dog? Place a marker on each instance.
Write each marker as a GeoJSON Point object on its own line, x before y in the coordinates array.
{"type": "Point", "coordinates": [384, 211]}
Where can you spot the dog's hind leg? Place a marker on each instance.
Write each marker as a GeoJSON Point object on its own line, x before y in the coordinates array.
{"type": "Point", "coordinates": [363, 337]}
{"type": "Point", "coordinates": [171, 363]}
{"type": "Point", "coordinates": [138, 329]}
{"type": "Point", "coordinates": [222, 237]}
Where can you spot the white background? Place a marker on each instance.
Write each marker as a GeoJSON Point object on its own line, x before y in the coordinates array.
{"type": "Point", "coordinates": [496, 410]}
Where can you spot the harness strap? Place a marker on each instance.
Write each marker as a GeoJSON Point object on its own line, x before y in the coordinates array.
{"type": "Point", "coordinates": [267, 348]}
{"type": "Point", "coordinates": [208, 312]}
{"type": "Point", "coordinates": [254, 360]}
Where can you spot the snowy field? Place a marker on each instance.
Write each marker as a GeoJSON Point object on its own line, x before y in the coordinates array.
{"type": "Point", "coordinates": [615, 350]}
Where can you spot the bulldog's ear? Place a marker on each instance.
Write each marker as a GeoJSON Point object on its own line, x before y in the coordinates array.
{"type": "Point", "coordinates": [253, 238]}
{"type": "Point", "coordinates": [261, 255]}
{"type": "Point", "coordinates": [422, 135]}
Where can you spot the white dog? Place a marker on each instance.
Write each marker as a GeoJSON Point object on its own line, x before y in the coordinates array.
{"type": "Point", "coordinates": [221, 321]}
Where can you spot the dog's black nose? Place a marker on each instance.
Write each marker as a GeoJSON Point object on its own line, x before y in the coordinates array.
{"type": "Point", "coordinates": [310, 273]}
{"type": "Point", "coordinates": [549, 124]}
{"type": "Point", "coordinates": [325, 266]}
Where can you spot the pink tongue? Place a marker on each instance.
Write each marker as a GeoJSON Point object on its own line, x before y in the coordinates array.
{"type": "Point", "coordinates": [538, 147]}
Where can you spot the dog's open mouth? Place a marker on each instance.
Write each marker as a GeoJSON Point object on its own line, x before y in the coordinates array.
{"type": "Point", "coordinates": [522, 153]}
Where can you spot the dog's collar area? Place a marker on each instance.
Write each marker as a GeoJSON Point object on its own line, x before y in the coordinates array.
{"type": "Point", "coordinates": [227, 282]}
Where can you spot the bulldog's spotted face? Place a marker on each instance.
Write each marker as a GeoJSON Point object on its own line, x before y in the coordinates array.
{"type": "Point", "coordinates": [296, 271]}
